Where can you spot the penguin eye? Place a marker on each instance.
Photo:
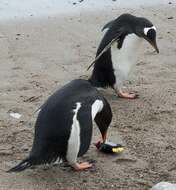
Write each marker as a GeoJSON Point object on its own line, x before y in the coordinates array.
{"type": "Point", "coordinates": [151, 34]}
{"type": "Point", "coordinates": [147, 29]}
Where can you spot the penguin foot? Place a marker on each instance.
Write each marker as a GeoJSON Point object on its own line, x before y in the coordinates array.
{"type": "Point", "coordinates": [82, 166]}
{"type": "Point", "coordinates": [127, 95]}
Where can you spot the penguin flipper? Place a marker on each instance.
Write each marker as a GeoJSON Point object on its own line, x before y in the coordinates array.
{"type": "Point", "coordinates": [21, 166]}
{"type": "Point", "coordinates": [105, 47]}
{"type": "Point", "coordinates": [107, 25]}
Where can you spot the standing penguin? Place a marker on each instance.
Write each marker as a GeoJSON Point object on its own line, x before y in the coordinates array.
{"type": "Point", "coordinates": [63, 129]}
{"type": "Point", "coordinates": [118, 51]}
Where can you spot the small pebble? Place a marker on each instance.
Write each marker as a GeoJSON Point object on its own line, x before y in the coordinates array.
{"type": "Point", "coordinates": [25, 147]}
{"type": "Point", "coordinates": [15, 115]}
{"type": "Point", "coordinates": [84, 181]}
{"type": "Point", "coordinates": [91, 161]}
{"type": "Point", "coordinates": [171, 17]}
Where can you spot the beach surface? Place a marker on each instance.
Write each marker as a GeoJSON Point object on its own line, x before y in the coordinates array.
{"type": "Point", "coordinates": [39, 54]}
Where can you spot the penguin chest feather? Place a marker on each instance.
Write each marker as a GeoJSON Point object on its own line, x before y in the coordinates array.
{"type": "Point", "coordinates": [125, 58]}
{"type": "Point", "coordinates": [74, 139]}
{"type": "Point", "coordinates": [81, 131]}
{"type": "Point", "coordinates": [97, 106]}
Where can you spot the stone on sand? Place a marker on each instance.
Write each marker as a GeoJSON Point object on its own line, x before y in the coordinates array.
{"type": "Point", "coordinates": [164, 186]}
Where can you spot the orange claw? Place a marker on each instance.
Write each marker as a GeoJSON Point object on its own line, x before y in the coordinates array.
{"type": "Point", "coordinates": [82, 166]}
{"type": "Point", "coordinates": [127, 95]}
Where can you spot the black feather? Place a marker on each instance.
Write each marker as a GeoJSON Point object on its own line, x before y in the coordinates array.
{"type": "Point", "coordinates": [21, 166]}
{"type": "Point", "coordinates": [108, 25]}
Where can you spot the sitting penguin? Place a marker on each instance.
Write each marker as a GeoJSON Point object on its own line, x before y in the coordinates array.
{"type": "Point", "coordinates": [63, 129]}
{"type": "Point", "coordinates": [118, 51]}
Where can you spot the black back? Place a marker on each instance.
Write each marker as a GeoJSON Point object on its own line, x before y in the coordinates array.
{"type": "Point", "coordinates": [53, 125]}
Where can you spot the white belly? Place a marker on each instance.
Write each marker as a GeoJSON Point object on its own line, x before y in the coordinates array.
{"type": "Point", "coordinates": [125, 58]}
{"type": "Point", "coordinates": [74, 139]}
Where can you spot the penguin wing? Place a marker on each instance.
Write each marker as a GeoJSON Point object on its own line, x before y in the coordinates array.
{"type": "Point", "coordinates": [107, 25]}
{"type": "Point", "coordinates": [109, 38]}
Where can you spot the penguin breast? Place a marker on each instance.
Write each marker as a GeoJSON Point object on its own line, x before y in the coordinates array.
{"type": "Point", "coordinates": [73, 146]}
{"type": "Point", "coordinates": [125, 58]}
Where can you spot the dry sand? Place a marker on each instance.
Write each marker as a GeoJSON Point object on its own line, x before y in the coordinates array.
{"type": "Point", "coordinates": [37, 56]}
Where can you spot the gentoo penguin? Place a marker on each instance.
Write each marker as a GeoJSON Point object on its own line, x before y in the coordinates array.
{"type": "Point", "coordinates": [63, 129]}
{"type": "Point", "coordinates": [118, 51]}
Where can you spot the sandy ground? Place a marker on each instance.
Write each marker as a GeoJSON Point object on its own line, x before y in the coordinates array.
{"type": "Point", "coordinates": [38, 56]}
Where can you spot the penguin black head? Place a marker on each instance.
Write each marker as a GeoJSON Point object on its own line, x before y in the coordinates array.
{"type": "Point", "coordinates": [127, 24]}
{"type": "Point", "coordinates": [145, 29]}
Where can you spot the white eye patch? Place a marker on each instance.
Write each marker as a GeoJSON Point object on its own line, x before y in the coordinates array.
{"type": "Point", "coordinates": [149, 28]}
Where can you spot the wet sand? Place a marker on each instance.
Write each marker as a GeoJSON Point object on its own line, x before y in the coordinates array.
{"type": "Point", "coordinates": [40, 55]}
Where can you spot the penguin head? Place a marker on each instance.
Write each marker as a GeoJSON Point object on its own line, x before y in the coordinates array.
{"type": "Point", "coordinates": [147, 30]}
{"type": "Point", "coordinates": [150, 36]}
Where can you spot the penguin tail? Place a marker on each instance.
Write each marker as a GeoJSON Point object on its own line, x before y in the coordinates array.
{"type": "Point", "coordinates": [21, 166]}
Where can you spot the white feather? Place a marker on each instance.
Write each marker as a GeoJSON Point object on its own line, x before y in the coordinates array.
{"type": "Point", "coordinates": [74, 139]}
{"type": "Point", "coordinates": [125, 58]}
{"type": "Point", "coordinates": [97, 106]}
